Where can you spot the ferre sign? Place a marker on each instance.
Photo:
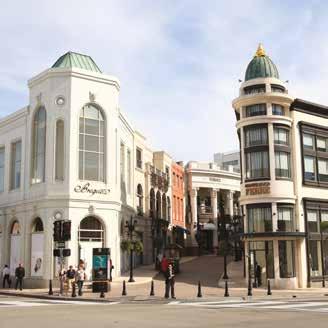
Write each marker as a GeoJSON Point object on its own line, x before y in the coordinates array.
{"type": "Point", "coordinates": [259, 188]}
{"type": "Point", "coordinates": [86, 189]}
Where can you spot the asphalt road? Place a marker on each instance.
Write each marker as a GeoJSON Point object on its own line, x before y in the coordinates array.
{"type": "Point", "coordinates": [19, 312]}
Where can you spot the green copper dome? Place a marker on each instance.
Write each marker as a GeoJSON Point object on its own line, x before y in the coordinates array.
{"type": "Point", "coordinates": [261, 66]}
{"type": "Point", "coordinates": [73, 59]}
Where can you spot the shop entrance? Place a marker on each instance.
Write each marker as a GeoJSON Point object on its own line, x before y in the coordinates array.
{"type": "Point", "coordinates": [262, 260]}
{"type": "Point", "coordinates": [91, 235]}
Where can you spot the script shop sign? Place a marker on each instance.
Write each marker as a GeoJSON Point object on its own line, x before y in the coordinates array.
{"type": "Point", "coordinates": [88, 189]}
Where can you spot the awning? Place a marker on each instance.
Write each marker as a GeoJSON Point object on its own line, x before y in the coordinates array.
{"type": "Point", "coordinates": [208, 226]}
{"type": "Point", "coordinates": [182, 229]}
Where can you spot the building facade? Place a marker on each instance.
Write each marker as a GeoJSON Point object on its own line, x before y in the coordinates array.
{"type": "Point", "coordinates": [71, 154]}
{"type": "Point", "coordinates": [224, 160]}
{"type": "Point", "coordinates": [283, 171]}
{"type": "Point", "coordinates": [211, 194]}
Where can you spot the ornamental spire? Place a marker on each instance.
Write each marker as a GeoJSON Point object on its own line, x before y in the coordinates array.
{"type": "Point", "coordinates": [260, 51]}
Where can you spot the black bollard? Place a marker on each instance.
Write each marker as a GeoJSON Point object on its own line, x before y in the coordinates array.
{"type": "Point", "coordinates": [50, 288]}
{"type": "Point", "coordinates": [102, 294]}
{"type": "Point", "coordinates": [226, 292]}
{"type": "Point", "coordinates": [269, 288]}
{"type": "Point", "coordinates": [199, 294]}
{"type": "Point", "coordinates": [249, 287]}
{"type": "Point", "coordinates": [124, 289]}
{"type": "Point", "coordinates": [73, 289]}
{"type": "Point", "coordinates": [152, 292]}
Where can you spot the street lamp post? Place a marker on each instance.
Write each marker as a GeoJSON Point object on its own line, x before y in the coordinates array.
{"type": "Point", "coordinates": [130, 226]}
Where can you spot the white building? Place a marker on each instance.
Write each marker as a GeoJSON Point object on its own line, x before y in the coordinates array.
{"type": "Point", "coordinates": [284, 166]}
{"type": "Point", "coordinates": [71, 154]}
{"type": "Point", "coordinates": [209, 189]}
{"type": "Point", "coordinates": [224, 160]}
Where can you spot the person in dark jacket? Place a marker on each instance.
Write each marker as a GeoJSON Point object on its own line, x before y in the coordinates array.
{"type": "Point", "coordinates": [169, 281]}
{"type": "Point", "coordinates": [258, 274]}
{"type": "Point", "coordinates": [19, 274]}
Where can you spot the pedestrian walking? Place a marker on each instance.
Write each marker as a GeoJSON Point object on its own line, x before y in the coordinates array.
{"type": "Point", "coordinates": [19, 274]}
{"type": "Point", "coordinates": [164, 264]}
{"type": "Point", "coordinates": [70, 276]}
{"type": "Point", "coordinates": [6, 276]}
{"type": "Point", "coordinates": [80, 277]}
{"type": "Point", "coordinates": [169, 282]}
{"type": "Point", "coordinates": [258, 273]}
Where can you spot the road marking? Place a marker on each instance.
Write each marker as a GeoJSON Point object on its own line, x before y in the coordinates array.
{"type": "Point", "coordinates": [50, 302]}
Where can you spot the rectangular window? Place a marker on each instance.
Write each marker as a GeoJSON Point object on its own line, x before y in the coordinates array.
{"type": "Point", "coordinates": [282, 161]}
{"type": "Point", "coordinates": [281, 136]}
{"type": "Point", "coordinates": [122, 163]}
{"type": "Point", "coordinates": [59, 172]}
{"type": "Point", "coordinates": [277, 109]}
{"type": "Point", "coordinates": [308, 141]}
{"type": "Point", "coordinates": [259, 219]}
{"type": "Point", "coordinates": [322, 144]}
{"type": "Point", "coordinates": [128, 159]}
{"type": "Point", "coordinates": [323, 169]}
{"type": "Point", "coordinates": [256, 110]}
{"type": "Point", "coordinates": [2, 169]}
{"type": "Point", "coordinates": [139, 158]}
{"type": "Point", "coordinates": [286, 258]}
{"type": "Point", "coordinates": [15, 169]}
{"type": "Point", "coordinates": [257, 165]}
{"type": "Point", "coordinates": [313, 220]}
{"type": "Point", "coordinates": [285, 218]}
{"type": "Point", "coordinates": [315, 258]}
{"type": "Point", "coordinates": [256, 136]}
{"type": "Point", "coordinates": [309, 168]}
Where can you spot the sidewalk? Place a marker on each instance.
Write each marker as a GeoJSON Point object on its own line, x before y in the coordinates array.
{"type": "Point", "coordinates": [206, 269]}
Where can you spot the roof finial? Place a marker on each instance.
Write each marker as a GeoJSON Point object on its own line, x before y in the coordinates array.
{"type": "Point", "coordinates": [260, 51]}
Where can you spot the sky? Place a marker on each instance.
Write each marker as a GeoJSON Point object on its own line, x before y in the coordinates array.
{"type": "Point", "coordinates": [178, 62]}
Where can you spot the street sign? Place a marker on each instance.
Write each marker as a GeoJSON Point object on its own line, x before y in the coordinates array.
{"type": "Point", "coordinates": [60, 244]}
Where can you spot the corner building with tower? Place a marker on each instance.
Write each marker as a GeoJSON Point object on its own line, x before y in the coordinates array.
{"type": "Point", "coordinates": [284, 179]}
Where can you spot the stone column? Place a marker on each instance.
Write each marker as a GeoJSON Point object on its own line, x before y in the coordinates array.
{"type": "Point", "coordinates": [214, 202]}
{"type": "Point", "coordinates": [194, 211]}
{"type": "Point", "coordinates": [229, 207]}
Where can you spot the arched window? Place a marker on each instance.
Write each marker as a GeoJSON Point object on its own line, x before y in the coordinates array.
{"type": "Point", "coordinates": [91, 229]}
{"type": "Point", "coordinates": [91, 144]}
{"type": "Point", "coordinates": [59, 175]}
{"type": "Point", "coordinates": [37, 225]}
{"type": "Point", "coordinates": [152, 204]}
{"type": "Point", "coordinates": [158, 205]}
{"type": "Point", "coordinates": [39, 145]}
{"type": "Point", "coordinates": [140, 199]}
{"type": "Point", "coordinates": [164, 208]}
{"type": "Point", "coordinates": [15, 228]}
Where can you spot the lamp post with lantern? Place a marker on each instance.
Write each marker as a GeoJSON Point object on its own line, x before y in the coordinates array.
{"type": "Point", "coordinates": [131, 227]}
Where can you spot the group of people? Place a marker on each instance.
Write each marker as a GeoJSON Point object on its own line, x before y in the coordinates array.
{"type": "Point", "coordinates": [19, 276]}
{"type": "Point", "coordinates": [71, 276]}
{"type": "Point", "coordinates": [168, 270]}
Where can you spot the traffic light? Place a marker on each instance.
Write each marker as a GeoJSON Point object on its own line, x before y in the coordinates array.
{"type": "Point", "coordinates": [57, 252]}
{"type": "Point", "coordinates": [66, 231]}
{"type": "Point", "coordinates": [66, 252]}
{"type": "Point", "coordinates": [57, 230]}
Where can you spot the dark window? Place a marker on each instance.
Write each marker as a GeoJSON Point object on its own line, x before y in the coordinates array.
{"type": "Point", "coordinates": [285, 218]}
{"type": "Point", "coordinates": [259, 219]}
{"type": "Point", "coordinates": [281, 136]}
{"type": "Point", "coordinates": [260, 88]}
{"type": "Point", "coordinates": [313, 220]}
{"type": "Point", "coordinates": [287, 258]}
{"type": "Point", "coordinates": [277, 88]}
{"type": "Point", "coordinates": [323, 169]}
{"type": "Point", "coordinates": [257, 165]}
{"type": "Point", "coordinates": [309, 168]}
{"type": "Point", "coordinates": [139, 158]}
{"type": "Point", "coordinates": [278, 110]}
{"type": "Point", "coordinates": [282, 161]}
{"type": "Point", "coordinates": [256, 135]}
{"type": "Point", "coordinates": [315, 258]}
{"type": "Point", "coordinates": [256, 110]}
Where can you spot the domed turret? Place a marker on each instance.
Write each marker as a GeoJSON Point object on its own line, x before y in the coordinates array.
{"type": "Point", "coordinates": [261, 66]}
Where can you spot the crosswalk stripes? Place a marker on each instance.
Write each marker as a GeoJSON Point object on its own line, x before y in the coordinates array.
{"type": "Point", "coordinates": [285, 305]}
{"type": "Point", "coordinates": [32, 303]}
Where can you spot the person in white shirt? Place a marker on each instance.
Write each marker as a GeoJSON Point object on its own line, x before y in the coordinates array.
{"type": "Point", "coordinates": [6, 276]}
{"type": "Point", "coordinates": [80, 276]}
